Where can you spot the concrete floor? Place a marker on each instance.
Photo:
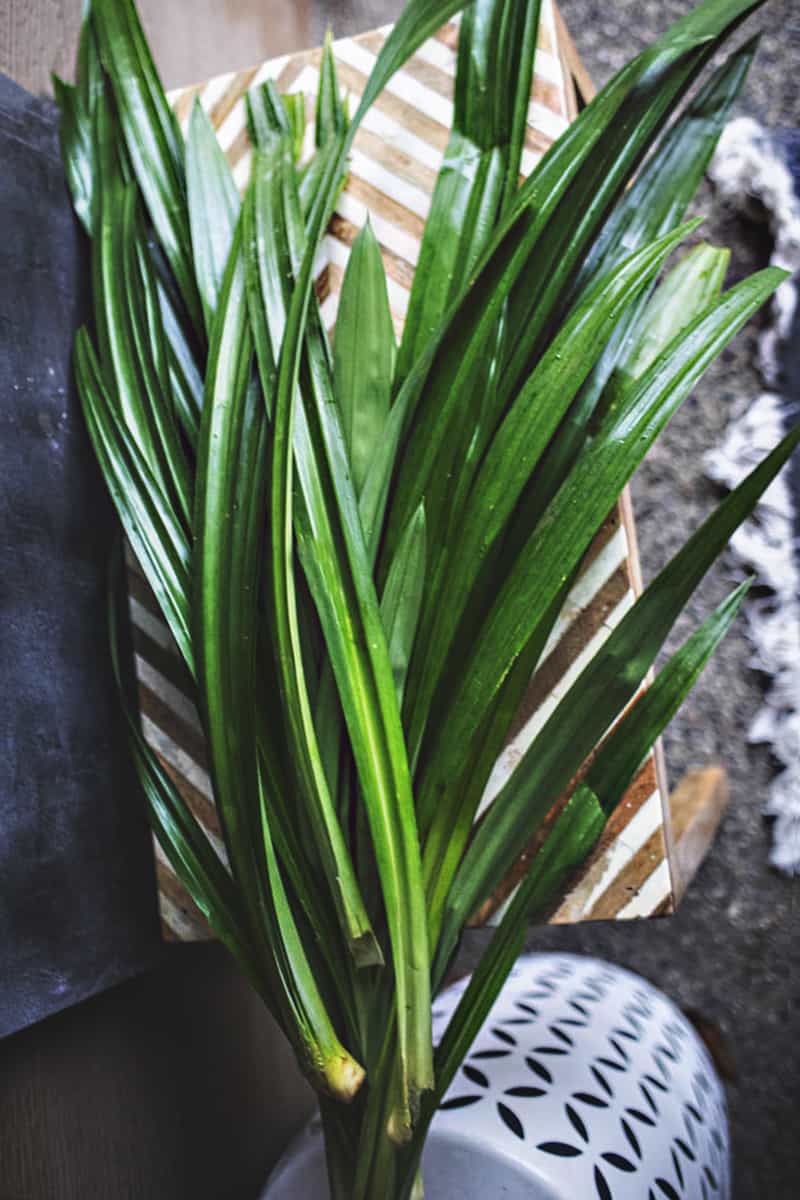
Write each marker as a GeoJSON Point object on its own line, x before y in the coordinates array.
{"type": "Point", "coordinates": [733, 951]}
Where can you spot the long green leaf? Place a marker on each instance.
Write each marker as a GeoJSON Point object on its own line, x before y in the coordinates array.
{"type": "Point", "coordinates": [578, 827]}
{"type": "Point", "coordinates": [556, 546]}
{"type": "Point", "coordinates": [481, 166]}
{"type": "Point", "coordinates": [333, 1068]}
{"type": "Point", "coordinates": [681, 297]}
{"type": "Point", "coordinates": [362, 667]}
{"type": "Point", "coordinates": [159, 542]}
{"type": "Point", "coordinates": [214, 206]}
{"type": "Point", "coordinates": [657, 199]}
{"type": "Point", "coordinates": [684, 294]}
{"type": "Point", "coordinates": [572, 839]}
{"type": "Point", "coordinates": [76, 129]}
{"type": "Point", "coordinates": [149, 339]}
{"type": "Point", "coordinates": [364, 353]}
{"type": "Point", "coordinates": [631, 425]}
{"type": "Point", "coordinates": [402, 598]}
{"type": "Point", "coordinates": [569, 194]}
{"type": "Point", "coordinates": [625, 749]}
{"type": "Point", "coordinates": [210, 885]}
{"type": "Point", "coordinates": [601, 692]}
{"type": "Point", "coordinates": [268, 266]}
{"type": "Point", "coordinates": [665, 71]}
{"type": "Point", "coordinates": [331, 116]}
{"type": "Point", "coordinates": [231, 460]}
{"type": "Point", "coordinates": [642, 332]}
{"type": "Point", "coordinates": [152, 137]}
{"type": "Point", "coordinates": [511, 460]}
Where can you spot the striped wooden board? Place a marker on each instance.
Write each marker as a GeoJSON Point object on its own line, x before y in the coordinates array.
{"type": "Point", "coordinates": [393, 168]}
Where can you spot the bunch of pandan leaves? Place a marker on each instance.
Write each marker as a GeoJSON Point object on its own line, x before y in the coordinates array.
{"type": "Point", "coordinates": [361, 551]}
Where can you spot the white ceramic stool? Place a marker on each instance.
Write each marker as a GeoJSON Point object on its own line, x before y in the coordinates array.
{"type": "Point", "coordinates": [585, 1083]}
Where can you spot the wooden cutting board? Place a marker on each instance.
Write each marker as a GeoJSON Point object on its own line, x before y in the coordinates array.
{"type": "Point", "coordinates": [393, 169]}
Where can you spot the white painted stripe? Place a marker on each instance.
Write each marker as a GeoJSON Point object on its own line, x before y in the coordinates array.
{"type": "Point", "coordinates": [653, 892]}
{"type": "Point", "coordinates": [323, 255]}
{"type": "Point", "coordinates": [510, 758]}
{"type": "Point", "coordinates": [329, 310]}
{"type": "Point", "coordinates": [177, 757]}
{"type": "Point", "coordinates": [215, 89]}
{"type": "Point", "coordinates": [375, 173]}
{"type": "Point", "coordinates": [641, 826]}
{"type": "Point", "coordinates": [184, 121]}
{"type": "Point", "coordinates": [270, 70]}
{"type": "Point", "coordinates": [155, 629]}
{"type": "Point", "coordinates": [551, 124]}
{"type": "Point", "coordinates": [233, 125]}
{"type": "Point", "coordinates": [529, 160]}
{"type": "Point", "coordinates": [402, 85]}
{"type": "Point", "coordinates": [184, 928]}
{"type": "Point", "coordinates": [241, 172]}
{"type": "Point", "coordinates": [402, 139]}
{"type": "Point", "coordinates": [423, 98]}
{"type": "Point", "coordinates": [599, 571]}
{"type": "Point", "coordinates": [438, 55]}
{"type": "Point", "coordinates": [548, 66]}
{"type": "Point", "coordinates": [306, 82]}
{"type": "Point", "coordinates": [309, 140]}
{"type": "Point", "coordinates": [397, 240]}
{"type": "Point", "coordinates": [172, 696]}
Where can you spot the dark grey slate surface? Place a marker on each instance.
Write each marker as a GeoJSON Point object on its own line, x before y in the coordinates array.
{"type": "Point", "coordinates": [77, 898]}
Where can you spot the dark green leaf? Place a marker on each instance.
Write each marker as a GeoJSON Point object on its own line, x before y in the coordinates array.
{"type": "Point", "coordinates": [151, 135]}
{"type": "Point", "coordinates": [622, 753]}
{"type": "Point", "coordinates": [214, 206]}
{"type": "Point", "coordinates": [402, 597]}
{"type": "Point", "coordinates": [331, 117]}
{"type": "Point", "coordinates": [364, 353]}
{"type": "Point", "coordinates": [158, 541]}
{"type": "Point", "coordinates": [600, 693]}
{"type": "Point", "coordinates": [269, 265]}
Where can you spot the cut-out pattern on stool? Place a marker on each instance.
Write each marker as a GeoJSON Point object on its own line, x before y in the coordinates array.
{"type": "Point", "coordinates": [597, 1080]}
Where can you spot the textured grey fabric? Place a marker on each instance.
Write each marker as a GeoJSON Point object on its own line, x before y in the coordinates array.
{"type": "Point", "coordinates": [77, 892]}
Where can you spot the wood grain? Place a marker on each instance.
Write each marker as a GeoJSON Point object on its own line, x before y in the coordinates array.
{"type": "Point", "coordinates": [697, 807]}
{"type": "Point", "coordinates": [177, 1085]}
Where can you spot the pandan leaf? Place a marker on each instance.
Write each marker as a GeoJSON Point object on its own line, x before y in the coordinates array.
{"type": "Point", "coordinates": [481, 166]}
{"type": "Point", "coordinates": [576, 513]}
{"type": "Point", "coordinates": [657, 199]}
{"type": "Point", "coordinates": [214, 206]}
{"type": "Point", "coordinates": [158, 541]}
{"type": "Point", "coordinates": [268, 263]}
{"type": "Point", "coordinates": [511, 459]}
{"type": "Point", "coordinates": [267, 114]}
{"type": "Point", "coordinates": [152, 137]}
{"type": "Point", "coordinates": [402, 597]}
{"type": "Point", "coordinates": [600, 693]}
{"type": "Point", "coordinates": [577, 829]}
{"type": "Point", "coordinates": [364, 353]}
{"type": "Point", "coordinates": [624, 750]}
{"type": "Point", "coordinates": [331, 116]}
